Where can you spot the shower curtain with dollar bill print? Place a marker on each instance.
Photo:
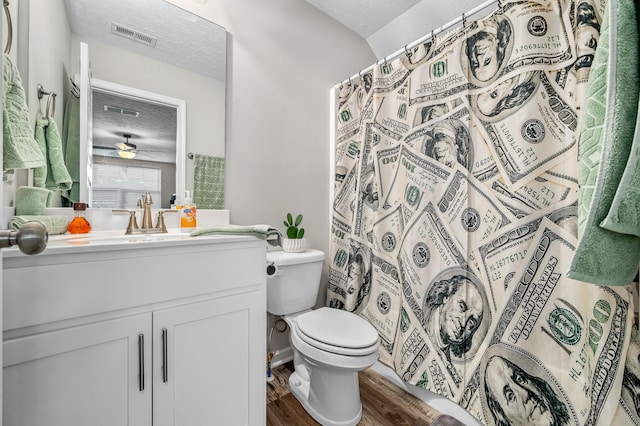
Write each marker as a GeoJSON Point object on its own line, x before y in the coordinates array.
{"type": "Point", "coordinates": [455, 219]}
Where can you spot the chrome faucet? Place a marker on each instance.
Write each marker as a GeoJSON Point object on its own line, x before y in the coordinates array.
{"type": "Point", "coordinates": [145, 202]}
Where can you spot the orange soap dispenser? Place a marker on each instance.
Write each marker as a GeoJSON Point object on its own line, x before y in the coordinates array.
{"type": "Point", "coordinates": [79, 224]}
{"type": "Point", "coordinates": [188, 213]}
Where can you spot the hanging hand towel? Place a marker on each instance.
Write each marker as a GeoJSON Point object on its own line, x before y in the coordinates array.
{"type": "Point", "coordinates": [208, 182]}
{"type": "Point", "coordinates": [264, 232]}
{"type": "Point", "coordinates": [602, 256]}
{"type": "Point", "coordinates": [71, 144]}
{"type": "Point", "coordinates": [20, 150]}
{"type": "Point", "coordinates": [54, 175]}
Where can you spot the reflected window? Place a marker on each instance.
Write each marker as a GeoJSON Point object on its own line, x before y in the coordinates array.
{"type": "Point", "coordinates": [122, 186]}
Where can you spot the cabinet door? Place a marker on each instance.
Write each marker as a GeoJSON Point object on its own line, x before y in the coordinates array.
{"type": "Point", "coordinates": [209, 362]}
{"type": "Point", "coordinates": [87, 375]}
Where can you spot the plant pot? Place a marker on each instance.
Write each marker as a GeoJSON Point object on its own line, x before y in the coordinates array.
{"type": "Point", "coordinates": [294, 245]}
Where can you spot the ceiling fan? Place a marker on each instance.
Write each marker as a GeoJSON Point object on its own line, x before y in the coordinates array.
{"type": "Point", "coordinates": [118, 144]}
{"type": "Point", "coordinates": [126, 149]}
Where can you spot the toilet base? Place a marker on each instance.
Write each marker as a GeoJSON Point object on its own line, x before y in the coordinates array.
{"type": "Point", "coordinates": [300, 389]}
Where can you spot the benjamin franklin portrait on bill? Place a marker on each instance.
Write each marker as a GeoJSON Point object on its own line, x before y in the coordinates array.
{"type": "Point", "coordinates": [456, 314]}
{"type": "Point", "coordinates": [487, 51]}
{"type": "Point", "coordinates": [516, 389]}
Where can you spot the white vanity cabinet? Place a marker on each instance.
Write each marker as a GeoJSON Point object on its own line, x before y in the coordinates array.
{"type": "Point", "coordinates": [161, 333]}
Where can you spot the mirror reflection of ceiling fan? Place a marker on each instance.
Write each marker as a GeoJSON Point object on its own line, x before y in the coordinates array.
{"type": "Point", "coordinates": [126, 149]}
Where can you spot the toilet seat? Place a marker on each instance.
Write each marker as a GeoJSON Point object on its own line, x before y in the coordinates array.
{"type": "Point", "coordinates": [337, 331]}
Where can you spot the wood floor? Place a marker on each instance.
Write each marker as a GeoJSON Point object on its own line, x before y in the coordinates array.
{"type": "Point", "coordinates": [383, 404]}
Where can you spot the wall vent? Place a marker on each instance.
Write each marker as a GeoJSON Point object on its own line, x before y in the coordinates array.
{"type": "Point", "coordinates": [125, 32]}
{"type": "Point", "coordinates": [123, 111]}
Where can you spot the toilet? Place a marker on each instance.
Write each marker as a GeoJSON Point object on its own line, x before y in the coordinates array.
{"type": "Point", "coordinates": [330, 346]}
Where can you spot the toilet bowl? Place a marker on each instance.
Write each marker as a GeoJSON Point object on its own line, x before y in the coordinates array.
{"type": "Point", "coordinates": [330, 346]}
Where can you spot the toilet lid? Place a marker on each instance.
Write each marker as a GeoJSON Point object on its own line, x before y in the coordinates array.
{"type": "Point", "coordinates": [337, 331]}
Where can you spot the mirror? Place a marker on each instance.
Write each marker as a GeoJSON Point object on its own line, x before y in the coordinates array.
{"type": "Point", "coordinates": [150, 45]}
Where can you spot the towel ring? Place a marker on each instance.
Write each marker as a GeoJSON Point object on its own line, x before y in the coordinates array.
{"type": "Point", "coordinates": [51, 105]}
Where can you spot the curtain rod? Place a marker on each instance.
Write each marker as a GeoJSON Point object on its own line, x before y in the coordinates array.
{"type": "Point", "coordinates": [461, 18]}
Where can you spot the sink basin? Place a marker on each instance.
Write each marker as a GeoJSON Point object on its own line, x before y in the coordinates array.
{"type": "Point", "coordinates": [117, 237]}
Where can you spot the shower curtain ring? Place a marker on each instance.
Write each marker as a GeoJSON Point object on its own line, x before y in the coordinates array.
{"type": "Point", "coordinates": [464, 20]}
{"type": "Point", "coordinates": [349, 82]}
{"type": "Point", "coordinates": [500, 4]}
{"type": "Point", "coordinates": [406, 51]}
{"type": "Point", "coordinates": [433, 36]}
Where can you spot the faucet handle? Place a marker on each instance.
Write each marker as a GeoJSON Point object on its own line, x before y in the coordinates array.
{"type": "Point", "coordinates": [133, 223]}
{"type": "Point", "coordinates": [160, 223]}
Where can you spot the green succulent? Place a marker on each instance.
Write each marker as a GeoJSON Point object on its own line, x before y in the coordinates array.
{"type": "Point", "coordinates": [294, 231]}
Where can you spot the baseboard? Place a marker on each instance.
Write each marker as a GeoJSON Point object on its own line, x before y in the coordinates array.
{"type": "Point", "coordinates": [282, 356]}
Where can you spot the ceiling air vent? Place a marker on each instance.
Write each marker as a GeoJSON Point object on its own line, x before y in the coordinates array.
{"type": "Point", "coordinates": [123, 111]}
{"type": "Point", "coordinates": [125, 32]}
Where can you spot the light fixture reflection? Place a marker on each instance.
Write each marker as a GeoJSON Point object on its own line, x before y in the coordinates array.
{"type": "Point", "coordinates": [127, 154]}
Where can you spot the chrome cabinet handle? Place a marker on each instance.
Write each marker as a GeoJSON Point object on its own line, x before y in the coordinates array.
{"type": "Point", "coordinates": [165, 360]}
{"type": "Point", "coordinates": [141, 361]}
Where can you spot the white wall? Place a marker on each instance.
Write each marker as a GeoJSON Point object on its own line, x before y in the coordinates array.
{"type": "Point", "coordinates": [283, 57]}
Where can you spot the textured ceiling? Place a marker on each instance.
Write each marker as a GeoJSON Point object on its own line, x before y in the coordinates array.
{"type": "Point", "coordinates": [364, 17]}
{"type": "Point", "coordinates": [389, 25]}
{"type": "Point", "coordinates": [153, 131]}
{"type": "Point", "coordinates": [184, 39]}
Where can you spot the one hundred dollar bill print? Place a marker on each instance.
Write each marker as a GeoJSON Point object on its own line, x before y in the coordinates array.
{"type": "Point", "coordinates": [417, 180]}
{"type": "Point", "coordinates": [525, 36]}
{"type": "Point", "coordinates": [629, 409]}
{"type": "Point", "coordinates": [501, 257]}
{"type": "Point", "coordinates": [452, 136]}
{"type": "Point", "coordinates": [471, 212]}
{"type": "Point", "coordinates": [553, 332]}
{"type": "Point", "coordinates": [444, 293]}
{"type": "Point", "coordinates": [385, 300]}
{"type": "Point", "coordinates": [531, 140]}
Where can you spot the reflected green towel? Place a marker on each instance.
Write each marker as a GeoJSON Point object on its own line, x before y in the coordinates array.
{"type": "Point", "coordinates": [208, 182]}
{"type": "Point", "coordinates": [55, 224]}
{"type": "Point", "coordinates": [19, 148]}
{"type": "Point", "coordinates": [264, 232]}
{"type": "Point", "coordinates": [602, 256]}
{"type": "Point", "coordinates": [71, 144]}
{"type": "Point", "coordinates": [54, 175]}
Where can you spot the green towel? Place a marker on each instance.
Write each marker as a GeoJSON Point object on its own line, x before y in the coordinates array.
{"type": "Point", "coordinates": [602, 256]}
{"type": "Point", "coordinates": [71, 144]}
{"type": "Point", "coordinates": [54, 175]}
{"type": "Point", "coordinates": [20, 150]}
{"type": "Point", "coordinates": [32, 201]}
{"type": "Point", "coordinates": [55, 224]}
{"type": "Point", "coordinates": [208, 182]}
{"type": "Point", "coordinates": [264, 232]}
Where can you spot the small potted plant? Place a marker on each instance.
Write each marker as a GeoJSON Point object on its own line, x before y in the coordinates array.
{"type": "Point", "coordinates": [294, 241]}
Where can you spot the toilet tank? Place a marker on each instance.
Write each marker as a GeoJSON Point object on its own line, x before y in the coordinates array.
{"type": "Point", "coordinates": [293, 280]}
